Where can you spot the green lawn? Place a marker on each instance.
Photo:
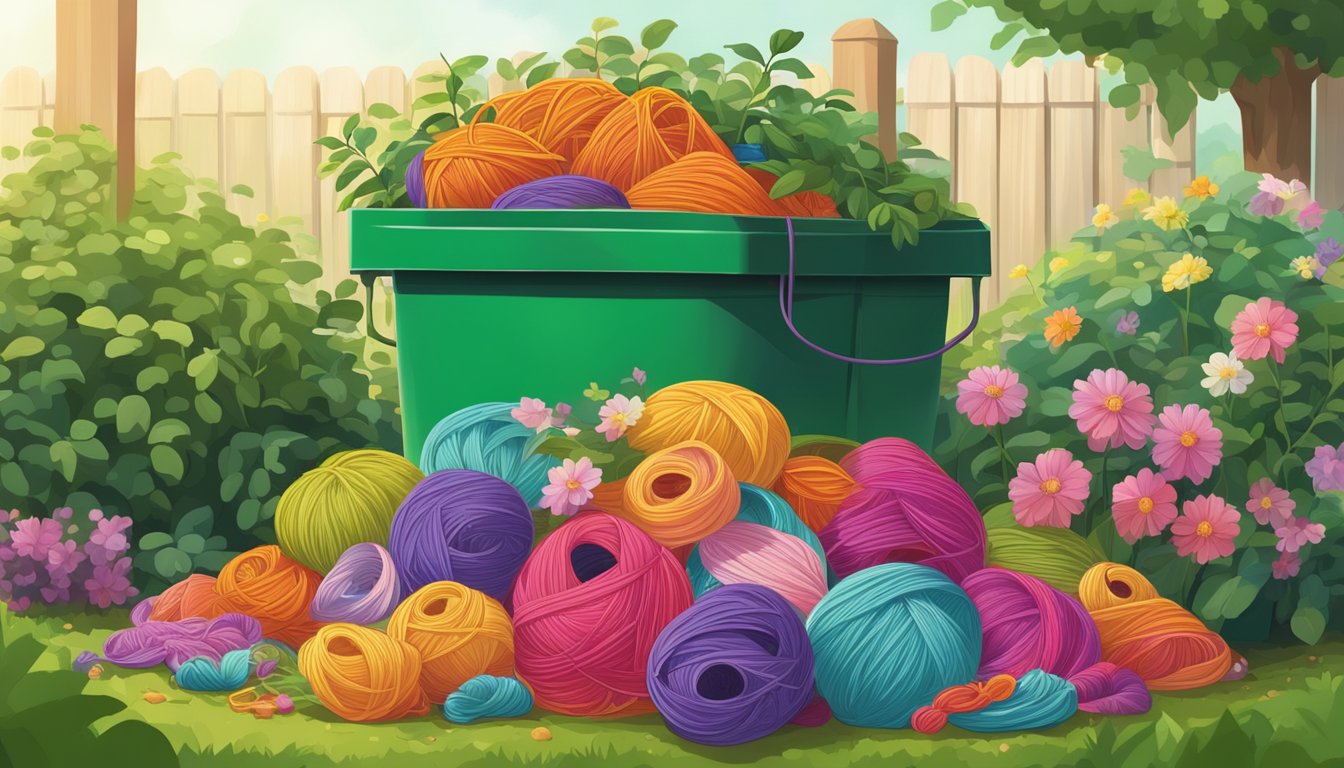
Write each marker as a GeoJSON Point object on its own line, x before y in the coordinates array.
{"type": "Point", "coordinates": [1288, 712]}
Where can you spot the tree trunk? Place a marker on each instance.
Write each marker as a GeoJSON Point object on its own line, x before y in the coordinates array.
{"type": "Point", "coordinates": [1276, 120]}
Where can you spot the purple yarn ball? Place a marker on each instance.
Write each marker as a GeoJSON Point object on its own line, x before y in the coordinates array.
{"type": "Point", "coordinates": [734, 667]}
{"type": "Point", "coordinates": [464, 526]}
{"type": "Point", "coordinates": [415, 182]}
{"type": "Point", "coordinates": [1106, 689]}
{"type": "Point", "coordinates": [564, 191]}
{"type": "Point", "coordinates": [362, 588]}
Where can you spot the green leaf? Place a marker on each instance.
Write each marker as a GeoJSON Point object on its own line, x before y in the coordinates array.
{"type": "Point", "coordinates": [171, 562]}
{"type": "Point", "coordinates": [747, 51]}
{"type": "Point", "coordinates": [383, 111]}
{"type": "Point", "coordinates": [784, 40]}
{"type": "Point", "coordinates": [946, 12]}
{"type": "Point", "coordinates": [82, 429]}
{"type": "Point", "coordinates": [788, 184]}
{"type": "Point", "coordinates": [330, 142]}
{"type": "Point", "coordinates": [542, 73]}
{"type": "Point", "coordinates": [155, 540]}
{"type": "Point", "coordinates": [349, 126]}
{"type": "Point", "coordinates": [197, 522]}
{"type": "Point", "coordinates": [1313, 609]}
{"type": "Point", "coordinates": [208, 409]}
{"type": "Point", "coordinates": [192, 544]}
{"type": "Point", "coordinates": [1214, 9]}
{"type": "Point", "coordinates": [204, 368]}
{"type": "Point", "coordinates": [656, 33]}
{"type": "Point", "coordinates": [133, 415]}
{"type": "Point", "coordinates": [242, 190]}
{"type": "Point", "coordinates": [166, 462]}
{"type": "Point", "coordinates": [171, 330]}
{"type": "Point", "coordinates": [1073, 357]}
{"type": "Point", "coordinates": [64, 458]}
{"type": "Point", "coordinates": [98, 317]}
{"type": "Point", "coordinates": [21, 347]}
{"type": "Point", "coordinates": [168, 430]}
{"type": "Point", "coordinates": [1112, 297]}
{"type": "Point", "coordinates": [603, 23]}
{"type": "Point", "coordinates": [792, 65]}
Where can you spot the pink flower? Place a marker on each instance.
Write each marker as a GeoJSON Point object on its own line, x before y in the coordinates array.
{"type": "Point", "coordinates": [619, 414]}
{"type": "Point", "coordinates": [533, 414]}
{"type": "Point", "coordinates": [571, 487]}
{"type": "Point", "coordinates": [1269, 503]}
{"type": "Point", "coordinates": [1264, 327]}
{"type": "Point", "coordinates": [1207, 529]}
{"type": "Point", "coordinates": [33, 537]}
{"type": "Point", "coordinates": [1298, 532]}
{"type": "Point", "coordinates": [991, 395]}
{"type": "Point", "coordinates": [1276, 196]}
{"type": "Point", "coordinates": [1143, 505]}
{"type": "Point", "coordinates": [109, 585]}
{"type": "Point", "coordinates": [1326, 468]}
{"type": "Point", "coordinates": [110, 534]}
{"type": "Point", "coordinates": [1311, 216]}
{"type": "Point", "coordinates": [1050, 490]}
{"type": "Point", "coordinates": [1112, 410]}
{"type": "Point", "coordinates": [1287, 566]}
{"type": "Point", "coordinates": [64, 558]}
{"type": "Point", "coordinates": [639, 375]}
{"type": "Point", "coordinates": [1128, 324]}
{"type": "Point", "coordinates": [1186, 444]}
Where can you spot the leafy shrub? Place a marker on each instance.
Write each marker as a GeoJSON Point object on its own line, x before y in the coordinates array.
{"type": "Point", "coordinates": [1150, 310]}
{"type": "Point", "coordinates": [168, 363]}
{"type": "Point", "coordinates": [54, 560]}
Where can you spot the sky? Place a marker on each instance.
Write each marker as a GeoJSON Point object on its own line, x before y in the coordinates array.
{"type": "Point", "coordinates": [271, 35]}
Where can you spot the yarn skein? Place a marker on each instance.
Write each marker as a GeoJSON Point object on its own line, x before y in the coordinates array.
{"type": "Point", "coordinates": [736, 666]}
{"type": "Point", "coordinates": [703, 182]}
{"type": "Point", "coordinates": [680, 494]}
{"type": "Point", "coordinates": [362, 588]}
{"type": "Point", "coordinates": [463, 526]}
{"type": "Point", "coordinates": [560, 113]}
{"type": "Point", "coordinates": [1027, 624]}
{"type": "Point", "coordinates": [459, 632]}
{"type": "Point", "coordinates": [487, 696]}
{"type": "Point", "coordinates": [172, 643]}
{"type": "Point", "coordinates": [815, 487]}
{"type": "Point", "coordinates": [763, 508]}
{"type": "Point", "coordinates": [743, 427]}
{"type": "Point", "coordinates": [201, 673]}
{"type": "Point", "coordinates": [194, 596]}
{"type": "Point", "coordinates": [1166, 645]}
{"type": "Point", "coordinates": [486, 438]}
{"type": "Point", "coordinates": [348, 499]}
{"type": "Point", "coordinates": [273, 589]}
{"type": "Point", "coordinates": [470, 166]}
{"type": "Point", "coordinates": [1037, 700]}
{"type": "Point", "coordinates": [587, 608]}
{"type": "Point", "coordinates": [748, 553]}
{"type": "Point", "coordinates": [1057, 556]}
{"type": "Point", "coordinates": [566, 191]}
{"type": "Point", "coordinates": [363, 675]}
{"type": "Point", "coordinates": [908, 510]}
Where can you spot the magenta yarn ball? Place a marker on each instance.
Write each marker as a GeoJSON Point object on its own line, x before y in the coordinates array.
{"type": "Point", "coordinates": [1028, 624]}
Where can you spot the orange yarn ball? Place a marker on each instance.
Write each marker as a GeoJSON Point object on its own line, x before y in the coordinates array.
{"type": "Point", "coordinates": [362, 674]}
{"type": "Point", "coordinates": [470, 166]}
{"type": "Point", "coordinates": [681, 494]}
{"type": "Point", "coordinates": [559, 113]}
{"type": "Point", "coordinates": [652, 129]}
{"type": "Point", "coordinates": [273, 589]}
{"type": "Point", "coordinates": [459, 632]}
{"type": "Point", "coordinates": [815, 487]}
{"type": "Point", "coordinates": [193, 597]}
{"type": "Point", "coordinates": [803, 204]}
{"type": "Point", "coordinates": [703, 182]}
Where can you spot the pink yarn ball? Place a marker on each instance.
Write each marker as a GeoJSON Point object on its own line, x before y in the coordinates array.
{"type": "Point", "coordinates": [1028, 624]}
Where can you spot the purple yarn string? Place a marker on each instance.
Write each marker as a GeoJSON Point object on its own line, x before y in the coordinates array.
{"type": "Point", "coordinates": [415, 182]}
{"type": "Point", "coordinates": [464, 526]}
{"type": "Point", "coordinates": [734, 667]}
{"type": "Point", "coordinates": [173, 642]}
{"type": "Point", "coordinates": [362, 588]}
{"type": "Point", "coordinates": [1106, 689]}
{"type": "Point", "coordinates": [140, 613]}
{"type": "Point", "coordinates": [563, 191]}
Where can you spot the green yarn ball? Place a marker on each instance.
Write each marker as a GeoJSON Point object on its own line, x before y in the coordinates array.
{"type": "Point", "coordinates": [1057, 556]}
{"type": "Point", "coordinates": [349, 499]}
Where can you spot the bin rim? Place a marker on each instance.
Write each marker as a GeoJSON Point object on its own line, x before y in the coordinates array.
{"type": "Point", "coordinates": [388, 241]}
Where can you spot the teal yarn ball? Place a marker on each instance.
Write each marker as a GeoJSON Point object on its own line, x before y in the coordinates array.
{"type": "Point", "coordinates": [1040, 700]}
{"type": "Point", "coordinates": [201, 673]}
{"type": "Point", "coordinates": [766, 508]}
{"type": "Point", "coordinates": [486, 438]}
{"type": "Point", "coordinates": [487, 696]}
{"type": "Point", "coordinates": [888, 639]}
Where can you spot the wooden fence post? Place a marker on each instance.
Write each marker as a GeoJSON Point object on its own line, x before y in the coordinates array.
{"type": "Point", "coordinates": [1022, 159]}
{"type": "Point", "coordinates": [977, 167]}
{"type": "Point", "coordinates": [155, 103]}
{"type": "Point", "coordinates": [1115, 131]}
{"type": "Point", "coordinates": [1072, 168]}
{"type": "Point", "coordinates": [1328, 186]}
{"type": "Point", "coordinates": [246, 106]}
{"type": "Point", "coordinates": [342, 96]}
{"type": "Point", "coordinates": [95, 79]}
{"type": "Point", "coordinates": [929, 113]}
{"type": "Point", "coordinates": [1180, 150]}
{"type": "Point", "coordinates": [864, 55]}
{"type": "Point", "coordinates": [198, 125]}
{"type": "Point", "coordinates": [294, 105]}
{"type": "Point", "coordinates": [20, 112]}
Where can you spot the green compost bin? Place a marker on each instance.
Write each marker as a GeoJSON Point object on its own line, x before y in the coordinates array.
{"type": "Point", "coordinates": [497, 305]}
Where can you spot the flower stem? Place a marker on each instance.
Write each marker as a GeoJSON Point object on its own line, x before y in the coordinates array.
{"type": "Point", "coordinates": [1288, 442]}
{"type": "Point", "coordinates": [1004, 458]}
{"type": "Point", "coordinates": [1185, 321]}
{"type": "Point", "coordinates": [1194, 587]}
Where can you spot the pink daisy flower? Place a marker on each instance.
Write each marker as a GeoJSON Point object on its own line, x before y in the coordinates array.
{"type": "Point", "coordinates": [1287, 566]}
{"type": "Point", "coordinates": [1112, 410]}
{"type": "Point", "coordinates": [1269, 503]}
{"type": "Point", "coordinates": [1207, 529]}
{"type": "Point", "coordinates": [1186, 444]}
{"type": "Point", "coordinates": [1265, 327]}
{"type": "Point", "coordinates": [639, 375]}
{"type": "Point", "coordinates": [1298, 532]}
{"type": "Point", "coordinates": [34, 537]}
{"type": "Point", "coordinates": [1050, 490]}
{"type": "Point", "coordinates": [571, 486]}
{"type": "Point", "coordinates": [1142, 505]}
{"type": "Point", "coordinates": [533, 414]}
{"type": "Point", "coordinates": [619, 414]}
{"type": "Point", "coordinates": [990, 395]}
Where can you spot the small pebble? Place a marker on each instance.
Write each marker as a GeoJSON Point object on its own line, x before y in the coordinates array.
{"type": "Point", "coordinates": [541, 734]}
{"type": "Point", "coordinates": [1311, 658]}
{"type": "Point", "coordinates": [1003, 747]}
{"type": "Point", "coordinates": [67, 626]}
{"type": "Point", "coordinates": [431, 739]}
{"type": "Point", "coordinates": [1271, 694]}
{"type": "Point", "coordinates": [154, 697]}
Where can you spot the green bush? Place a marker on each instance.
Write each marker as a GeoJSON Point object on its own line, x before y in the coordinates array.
{"type": "Point", "coordinates": [177, 367]}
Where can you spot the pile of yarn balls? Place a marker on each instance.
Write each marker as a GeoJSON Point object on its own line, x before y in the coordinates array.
{"type": "Point", "coordinates": [692, 587]}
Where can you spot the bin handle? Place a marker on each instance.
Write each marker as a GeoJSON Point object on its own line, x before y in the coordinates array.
{"type": "Point", "coordinates": [368, 279]}
{"type": "Point", "coordinates": [786, 310]}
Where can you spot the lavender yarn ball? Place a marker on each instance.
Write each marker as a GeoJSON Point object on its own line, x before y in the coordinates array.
{"type": "Point", "coordinates": [734, 667]}
{"type": "Point", "coordinates": [564, 191]}
{"type": "Point", "coordinates": [362, 588]}
{"type": "Point", "coordinates": [415, 182]}
{"type": "Point", "coordinates": [464, 526]}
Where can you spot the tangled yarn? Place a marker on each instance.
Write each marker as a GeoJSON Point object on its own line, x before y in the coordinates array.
{"type": "Point", "coordinates": [703, 182]}
{"type": "Point", "coordinates": [362, 588]}
{"type": "Point", "coordinates": [1037, 700]}
{"type": "Point", "coordinates": [680, 494]}
{"type": "Point", "coordinates": [460, 633]}
{"type": "Point", "coordinates": [1057, 556]}
{"type": "Point", "coordinates": [194, 596]}
{"type": "Point", "coordinates": [486, 438]}
{"type": "Point", "coordinates": [744, 428]}
{"type": "Point", "coordinates": [173, 643]}
{"type": "Point", "coordinates": [348, 499]}
{"type": "Point", "coordinates": [487, 696]}
{"type": "Point", "coordinates": [560, 114]}
{"type": "Point", "coordinates": [363, 675]}
{"type": "Point", "coordinates": [734, 667]}
{"type": "Point", "coordinates": [463, 526]}
{"type": "Point", "coordinates": [748, 553]}
{"type": "Point", "coordinates": [565, 191]}
{"type": "Point", "coordinates": [587, 607]}
{"type": "Point", "coordinates": [273, 589]}
{"type": "Point", "coordinates": [1162, 642]}
{"type": "Point", "coordinates": [1106, 689]}
{"type": "Point", "coordinates": [201, 673]}
{"type": "Point", "coordinates": [814, 487]}
{"type": "Point", "coordinates": [907, 510]}
{"type": "Point", "coordinates": [470, 166]}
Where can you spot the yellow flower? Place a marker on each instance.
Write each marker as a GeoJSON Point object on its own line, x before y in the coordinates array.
{"type": "Point", "coordinates": [1136, 196]}
{"type": "Point", "coordinates": [1062, 326]}
{"type": "Point", "coordinates": [1185, 273]}
{"type": "Point", "coordinates": [262, 218]}
{"type": "Point", "coordinates": [1166, 214]}
{"type": "Point", "coordinates": [1306, 266]}
{"type": "Point", "coordinates": [1201, 187]}
{"type": "Point", "coordinates": [1138, 265]}
{"type": "Point", "coordinates": [1058, 263]}
{"type": "Point", "coordinates": [1018, 272]}
{"type": "Point", "coordinates": [1103, 218]}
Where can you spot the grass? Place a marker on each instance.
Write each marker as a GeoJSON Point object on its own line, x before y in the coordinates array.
{"type": "Point", "coordinates": [1287, 712]}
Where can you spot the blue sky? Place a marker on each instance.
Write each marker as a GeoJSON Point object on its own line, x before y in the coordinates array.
{"type": "Point", "coordinates": [270, 35]}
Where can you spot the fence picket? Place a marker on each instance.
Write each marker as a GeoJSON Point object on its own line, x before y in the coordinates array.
{"type": "Point", "coordinates": [21, 103]}
{"type": "Point", "coordinates": [977, 119]}
{"type": "Point", "coordinates": [1180, 150]}
{"type": "Point", "coordinates": [1022, 159]}
{"type": "Point", "coordinates": [1327, 181]}
{"type": "Point", "coordinates": [342, 95]}
{"type": "Point", "coordinates": [1115, 132]}
{"type": "Point", "coordinates": [198, 123]}
{"type": "Point", "coordinates": [929, 105]}
{"type": "Point", "coordinates": [294, 155]}
{"type": "Point", "coordinates": [246, 105]}
{"type": "Point", "coordinates": [1071, 171]}
{"type": "Point", "coordinates": [155, 106]}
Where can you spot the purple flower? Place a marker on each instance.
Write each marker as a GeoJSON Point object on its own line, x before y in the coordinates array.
{"type": "Point", "coordinates": [95, 515]}
{"type": "Point", "coordinates": [1276, 195]}
{"type": "Point", "coordinates": [1328, 252]}
{"type": "Point", "coordinates": [1311, 216]}
{"type": "Point", "coordinates": [109, 585]}
{"type": "Point", "coordinates": [64, 557]}
{"type": "Point", "coordinates": [1298, 532]}
{"type": "Point", "coordinates": [63, 513]}
{"type": "Point", "coordinates": [33, 537]}
{"type": "Point", "coordinates": [1129, 324]}
{"type": "Point", "coordinates": [283, 704]}
{"type": "Point", "coordinates": [109, 534]}
{"type": "Point", "coordinates": [639, 375]}
{"type": "Point", "coordinates": [19, 605]}
{"type": "Point", "coordinates": [265, 668]}
{"type": "Point", "coordinates": [1326, 468]}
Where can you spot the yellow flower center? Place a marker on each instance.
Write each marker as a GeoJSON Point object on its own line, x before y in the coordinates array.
{"type": "Point", "coordinates": [1266, 502]}
{"type": "Point", "coordinates": [994, 391]}
{"type": "Point", "coordinates": [1115, 403]}
{"type": "Point", "coordinates": [1204, 529]}
{"type": "Point", "coordinates": [1262, 330]}
{"type": "Point", "coordinates": [572, 485]}
{"type": "Point", "coordinates": [1065, 326]}
{"type": "Point", "coordinates": [1188, 439]}
{"type": "Point", "coordinates": [619, 418]}
{"type": "Point", "coordinates": [1146, 505]}
{"type": "Point", "coordinates": [1228, 373]}
{"type": "Point", "coordinates": [1050, 486]}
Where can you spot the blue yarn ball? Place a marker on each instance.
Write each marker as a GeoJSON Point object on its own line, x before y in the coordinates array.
{"type": "Point", "coordinates": [766, 508]}
{"type": "Point", "coordinates": [1040, 700]}
{"type": "Point", "coordinates": [487, 696]}
{"type": "Point", "coordinates": [486, 438]}
{"type": "Point", "coordinates": [200, 673]}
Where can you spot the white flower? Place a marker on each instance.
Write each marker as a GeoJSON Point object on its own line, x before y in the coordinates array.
{"type": "Point", "coordinates": [1226, 373]}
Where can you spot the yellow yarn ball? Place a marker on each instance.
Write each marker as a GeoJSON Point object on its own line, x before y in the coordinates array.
{"type": "Point", "coordinates": [349, 499]}
{"type": "Point", "coordinates": [460, 633]}
{"type": "Point", "coordinates": [745, 429]}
